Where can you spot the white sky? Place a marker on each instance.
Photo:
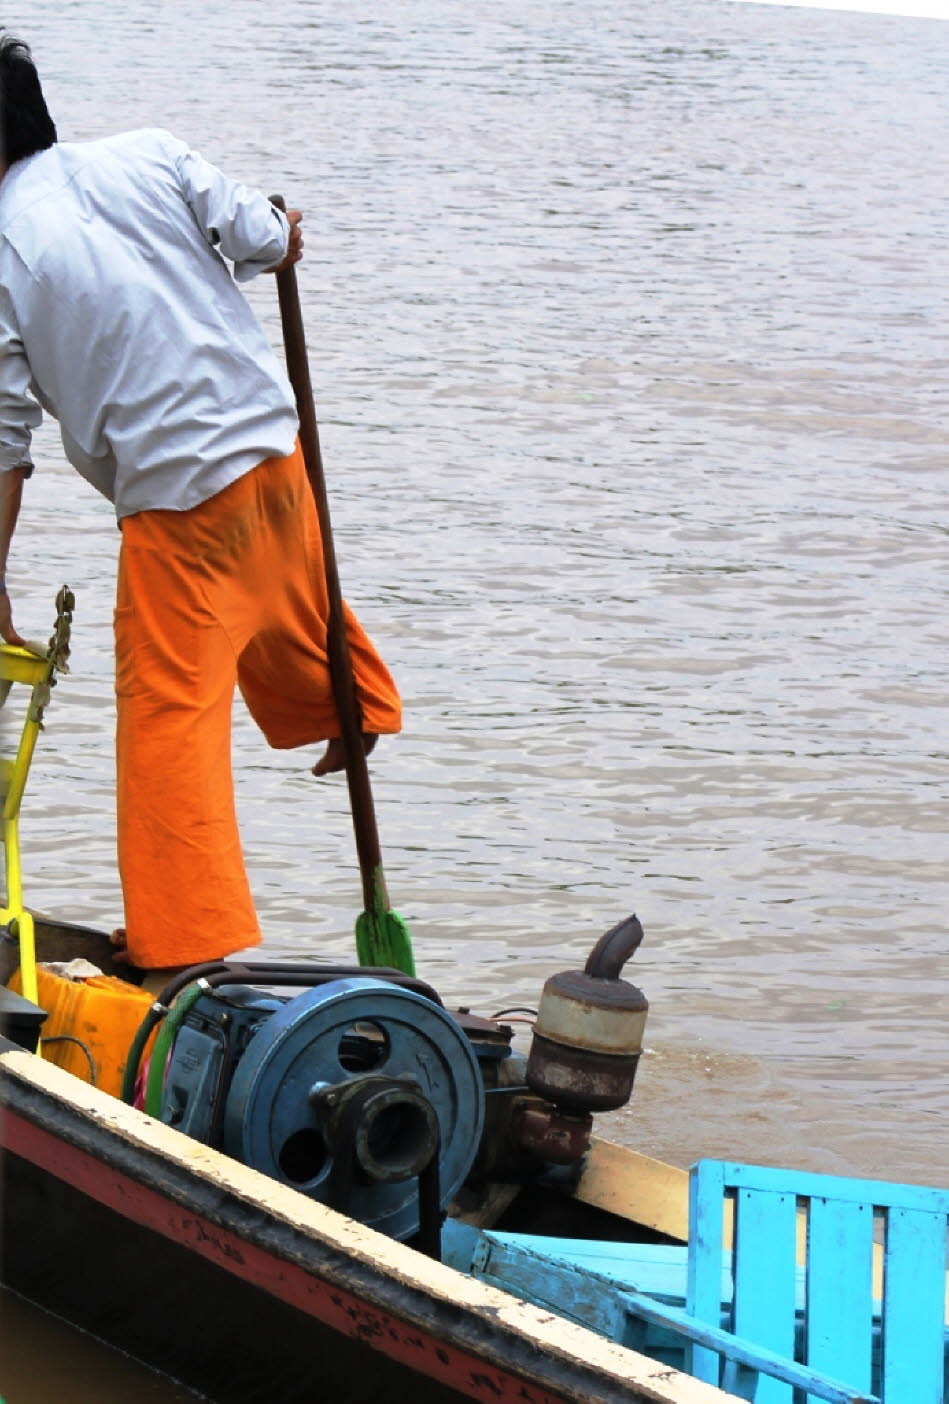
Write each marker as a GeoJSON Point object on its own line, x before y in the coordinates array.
{"type": "Point", "coordinates": [921, 9]}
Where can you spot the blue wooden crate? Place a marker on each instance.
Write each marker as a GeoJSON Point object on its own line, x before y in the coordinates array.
{"type": "Point", "coordinates": [895, 1347]}
{"type": "Point", "coordinates": [597, 1285]}
{"type": "Point", "coordinates": [801, 1297]}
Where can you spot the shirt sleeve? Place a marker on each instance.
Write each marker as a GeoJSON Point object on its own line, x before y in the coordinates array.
{"type": "Point", "coordinates": [19, 412]}
{"type": "Point", "coordinates": [241, 222]}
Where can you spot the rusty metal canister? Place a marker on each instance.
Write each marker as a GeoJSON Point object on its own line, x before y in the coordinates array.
{"type": "Point", "coordinates": [589, 1030]}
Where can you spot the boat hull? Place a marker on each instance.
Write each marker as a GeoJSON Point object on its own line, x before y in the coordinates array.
{"type": "Point", "coordinates": [248, 1291]}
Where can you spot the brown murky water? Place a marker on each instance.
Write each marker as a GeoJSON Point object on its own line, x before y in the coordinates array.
{"type": "Point", "coordinates": [43, 1360]}
{"type": "Point", "coordinates": [629, 331]}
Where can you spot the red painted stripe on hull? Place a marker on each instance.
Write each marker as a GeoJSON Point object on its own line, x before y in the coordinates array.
{"type": "Point", "coordinates": [340, 1310]}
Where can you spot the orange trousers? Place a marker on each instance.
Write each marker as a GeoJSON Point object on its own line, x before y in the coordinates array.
{"type": "Point", "coordinates": [229, 593]}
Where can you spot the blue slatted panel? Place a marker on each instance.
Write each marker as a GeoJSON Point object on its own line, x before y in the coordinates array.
{"type": "Point", "coordinates": [704, 1284]}
{"type": "Point", "coordinates": [914, 1276]}
{"type": "Point", "coordinates": [812, 1185]}
{"type": "Point", "coordinates": [750, 1359]}
{"type": "Point", "coordinates": [839, 1332]}
{"type": "Point", "coordinates": [765, 1278]}
{"type": "Point", "coordinates": [839, 1322]}
{"type": "Point", "coordinates": [739, 1380]}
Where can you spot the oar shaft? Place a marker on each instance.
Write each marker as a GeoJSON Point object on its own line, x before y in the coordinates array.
{"type": "Point", "coordinates": [337, 645]}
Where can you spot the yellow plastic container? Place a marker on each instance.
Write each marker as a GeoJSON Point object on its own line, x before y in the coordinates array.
{"type": "Point", "coordinates": [103, 1013]}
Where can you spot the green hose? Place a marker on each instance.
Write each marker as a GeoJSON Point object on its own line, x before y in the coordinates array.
{"type": "Point", "coordinates": [130, 1074]}
{"type": "Point", "coordinates": [165, 1042]}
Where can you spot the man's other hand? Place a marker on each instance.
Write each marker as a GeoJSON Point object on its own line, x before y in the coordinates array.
{"type": "Point", "coordinates": [295, 245]}
{"type": "Point", "coordinates": [7, 631]}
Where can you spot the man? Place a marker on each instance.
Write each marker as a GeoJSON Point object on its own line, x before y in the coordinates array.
{"type": "Point", "coordinates": [120, 317]}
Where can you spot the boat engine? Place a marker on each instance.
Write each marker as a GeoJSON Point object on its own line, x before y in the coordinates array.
{"type": "Point", "coordinates": [359, 1093]}
{"type": "Point", "coordinates": [365, 1093]}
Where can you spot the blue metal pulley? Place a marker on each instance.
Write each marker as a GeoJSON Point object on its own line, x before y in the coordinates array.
{"type": "Point", "coordinates": [366, 1070]}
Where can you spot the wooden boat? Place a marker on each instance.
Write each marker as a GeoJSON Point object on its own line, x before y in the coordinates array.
{"type": "Point", "coordinates": [566, 1268]}
{"type": "Point", "coordinates": [174, 1251]}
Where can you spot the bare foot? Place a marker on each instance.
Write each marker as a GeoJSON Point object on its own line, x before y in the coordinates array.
{"type": "Point", "coordinates": [120, 946]}
{"type": "Point", "coordinates": [333, 758]}
{"type": "Point", "coordinates": [153, 980]}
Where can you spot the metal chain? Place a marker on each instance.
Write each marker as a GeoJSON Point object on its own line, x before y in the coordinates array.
{"type": "Point", "coordinates": [59, 641]}
{"type": "Point", "coordinates": [57, 654]}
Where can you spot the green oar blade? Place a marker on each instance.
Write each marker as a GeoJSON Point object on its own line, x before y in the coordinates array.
{"type": "Point", "coordinates": [382, 938]}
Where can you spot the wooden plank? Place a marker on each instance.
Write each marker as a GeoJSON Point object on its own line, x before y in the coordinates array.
{"type": "Point", "coordinates": [545, 1272]}
{"type": "Point", "coordinates": [765, 1275]}
{"type": "Point", "coordinates": [636, 1187]}
{"type": "Point", "coordinates": [813, 1186]}
{"type": "Point", "coordinates": [585, 1298]}
{"type": "Point", "coordinates": [703, 1288]}
{"type": "Point", "coordinates": [659, 1269]}
{"type": "Point", "coordinates": [747, 1353]}
{"type": "Point", "coordinates": [913, 1277]}
{"type": "Point", "coordinates": [839, 1320]}
{"type": "Point", "coordinates": [740, 1379]}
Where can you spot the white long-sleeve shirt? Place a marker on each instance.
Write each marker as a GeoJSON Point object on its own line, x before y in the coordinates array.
{"type": "Point", "coordinates": [119, 315]}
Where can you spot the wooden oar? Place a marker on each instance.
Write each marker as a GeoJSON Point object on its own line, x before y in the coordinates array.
{"type": "Point", "coordinates": [382, 936]}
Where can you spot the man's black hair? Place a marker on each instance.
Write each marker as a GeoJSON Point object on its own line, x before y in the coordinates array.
{"type": "Point", "coordinates": [25, 124]}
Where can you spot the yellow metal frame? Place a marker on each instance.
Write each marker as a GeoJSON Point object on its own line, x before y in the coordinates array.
{"type": "Point", "coordinates": [22, 665]}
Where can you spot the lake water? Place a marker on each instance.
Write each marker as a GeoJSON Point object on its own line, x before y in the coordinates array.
{"type": "Point", "coordinates": [628, 325]}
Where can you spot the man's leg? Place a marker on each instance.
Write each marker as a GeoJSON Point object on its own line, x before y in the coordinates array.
{"type": "Point", "coordinates": [187, 898]}
{"type": "Point", "coordinates": [283, 671]}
